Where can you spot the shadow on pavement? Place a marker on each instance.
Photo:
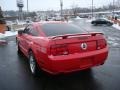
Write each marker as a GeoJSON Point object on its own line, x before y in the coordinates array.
{"type": "Point", "coordinates": [82, 80]}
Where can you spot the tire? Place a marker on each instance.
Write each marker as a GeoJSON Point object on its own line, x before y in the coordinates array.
{"type": "Point", "coordinates": [33, 64]}
{"type": "Point", "coordinates": [19, 51]}
{"type": "Point", "coordinates": [95, 24]}
{"type": "Point", "coordinates": [18, 48]}
{"type": "Point", "coordinates": [88, 69]}
{"type": "Point", "coordinates": [109, 24]}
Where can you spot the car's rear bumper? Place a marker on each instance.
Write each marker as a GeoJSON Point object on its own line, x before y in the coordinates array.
{"type": "Point", "coordinates": [76, 62]}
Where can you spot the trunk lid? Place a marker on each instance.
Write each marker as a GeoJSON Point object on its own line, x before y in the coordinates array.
{"type": "Point", "coordinates": [77, 43]}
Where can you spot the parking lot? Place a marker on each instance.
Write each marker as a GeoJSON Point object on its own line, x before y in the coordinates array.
{"type": "Point", "coordinates": [15, 73]}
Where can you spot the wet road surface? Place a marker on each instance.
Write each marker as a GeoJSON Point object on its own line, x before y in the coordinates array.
{"type": "Point", "coordinates": [15, 73]}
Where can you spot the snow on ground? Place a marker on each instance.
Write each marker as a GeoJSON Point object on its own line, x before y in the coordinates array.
{"type": "Point", "coordinates": [116, 26]}
{"type": "Point", "coordinates": [7, 34]}
{"type": "Point", "coordinates": [70, 21]}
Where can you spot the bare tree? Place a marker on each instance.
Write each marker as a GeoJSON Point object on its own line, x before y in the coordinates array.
{"type": "Point", "coordinates": [1, 15]}
{"type": "Point", "coordinates": [75, 9]}
{"type": "Point", "coordinates": [2, 20]}
{"type": "Point", "coordinates": [117, 4]}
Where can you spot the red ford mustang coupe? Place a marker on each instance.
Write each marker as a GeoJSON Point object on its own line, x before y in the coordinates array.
{"type": "Point", "coordinates": [58, 47]}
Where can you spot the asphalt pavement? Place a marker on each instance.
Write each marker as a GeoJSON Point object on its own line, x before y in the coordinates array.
{"type": "Point", "coordinates": [15, 73]}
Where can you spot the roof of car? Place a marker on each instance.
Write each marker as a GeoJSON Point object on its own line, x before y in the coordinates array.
{"type": "Point", "coordinates": [101, 19]}
{"type": "Point", "coordinates": [36, 24]}
{"type": "Point", "coordinates": [48, 22]}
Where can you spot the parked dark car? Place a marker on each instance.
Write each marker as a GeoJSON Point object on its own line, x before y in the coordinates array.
{"type": "Point", "coordinates": [101, 22]}
{"type": "Point", "coordinates": [83, 16]}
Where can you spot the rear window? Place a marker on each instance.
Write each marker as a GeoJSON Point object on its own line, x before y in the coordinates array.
{"type": "Point", "coordinates": [54, 29]}
{"type": "Point", "coordinates": [101, 20]}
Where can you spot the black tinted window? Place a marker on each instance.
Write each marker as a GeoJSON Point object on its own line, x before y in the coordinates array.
{"type": "Point", "coordinates": [30, 30]}
{"type": "Point", "coordinates": [60, 29]}
{"type": "Point", "coordinates": [26, 30]}
{"type": "Point", "coordinates": [101, 20]}
{"type": "Point", "coordinates": [34, 32]}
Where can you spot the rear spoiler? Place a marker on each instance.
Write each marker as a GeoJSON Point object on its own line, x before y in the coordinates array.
{"type": "Point", "coordinates": [67, 35]}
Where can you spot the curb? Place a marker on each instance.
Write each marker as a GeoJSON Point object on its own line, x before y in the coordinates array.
{"type": "Point", "coordinates": [3, 42]}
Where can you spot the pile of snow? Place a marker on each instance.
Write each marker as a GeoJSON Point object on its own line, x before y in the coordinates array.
{"type": "Point", "coordinates": [21, 23]}
{"type": "Point", "coordinates": [116, 26]}
{"type": "Point", "coordinates": [70, 21]}
{"type": "Point", "coordinates": [89, 20]}
{"type": "Point", "coordinates": [10, 33]}
{"type": "Point", "coordinates": [78, 18]}
{"type": "Point", "coordinates": [19, 29]}
{"type": "Point", "coordinates": [7, 34]}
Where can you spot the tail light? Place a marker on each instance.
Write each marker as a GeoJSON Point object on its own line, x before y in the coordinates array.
{"type": "Point", "coordinates": [101, 44]}
{"type": "Point", "coordinates": [59, 50]}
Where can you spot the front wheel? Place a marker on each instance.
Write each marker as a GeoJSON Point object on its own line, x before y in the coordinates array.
{"type": "Point", "coordinates": [33, 65]}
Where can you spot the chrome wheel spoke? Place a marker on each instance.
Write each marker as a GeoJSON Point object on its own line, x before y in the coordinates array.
{"type": "Point", "coordinates": [32, 64]}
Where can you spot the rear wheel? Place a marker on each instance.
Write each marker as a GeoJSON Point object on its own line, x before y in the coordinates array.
{"type": "Point", "coordinates": [109, 24]}
{"type": "Point", "coordinates": [33, 65]}
{"type": "Point", "coordinates": [18, 47]}
{"type": "Point", "coordinates": [95, 24]}
{"type": "Point", "coordinates": [19, 51]}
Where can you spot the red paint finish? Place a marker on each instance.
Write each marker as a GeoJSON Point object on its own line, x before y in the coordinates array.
{"type": "Point", "coordinates": [65, 53]}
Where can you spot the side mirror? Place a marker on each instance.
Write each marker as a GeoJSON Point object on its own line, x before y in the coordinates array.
{"type": "Point", "coordinates": [20, 32]}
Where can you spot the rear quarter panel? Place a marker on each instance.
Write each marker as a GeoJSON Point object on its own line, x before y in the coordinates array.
{"type": "Point", "coordinates": [40, 48]}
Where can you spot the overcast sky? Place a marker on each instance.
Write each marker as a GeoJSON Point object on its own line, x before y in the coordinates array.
{"type": "Point", "coordinates": [35, 5]}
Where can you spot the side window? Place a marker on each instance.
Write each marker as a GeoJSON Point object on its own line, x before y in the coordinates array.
{"type": "Point", "coordinates": [33, 32]}
{"type": "Point", "coordinates": [27, 29]}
